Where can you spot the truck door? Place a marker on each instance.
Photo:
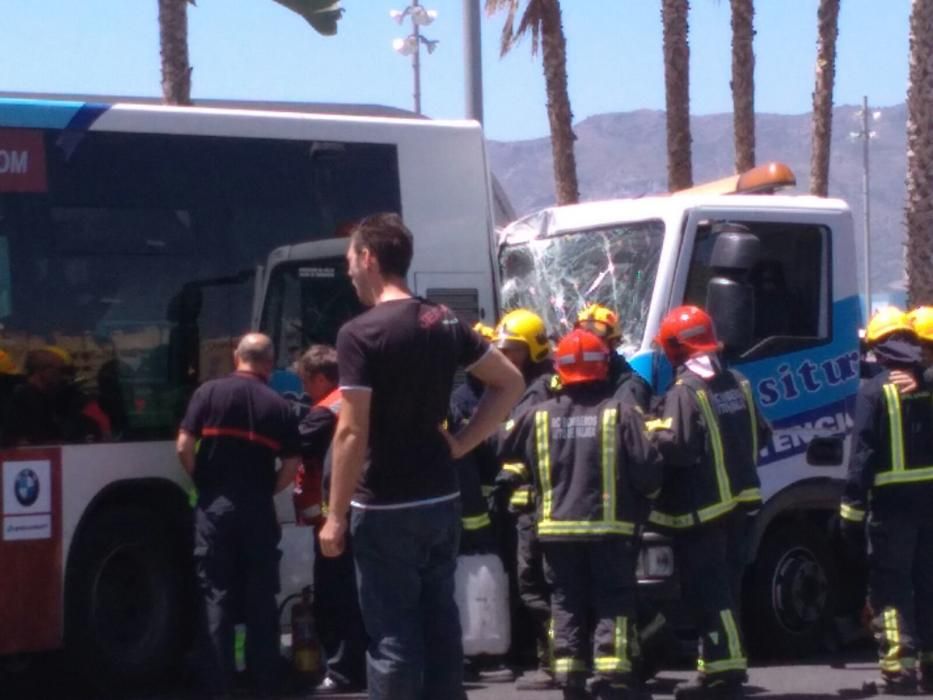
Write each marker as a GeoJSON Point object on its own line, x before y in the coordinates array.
{"type": "Point", "coordinates": [802, 356]}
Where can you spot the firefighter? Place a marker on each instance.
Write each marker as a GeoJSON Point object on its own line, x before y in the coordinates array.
{"type": "Point", "coordinates": [522, 336]}
{"type": "Point", "coordinates": [604, 323]}
{"type": "Point", "coordinates": [890, 488]}
{"type": "Point", "coordinates": [709, 436]}
{"type": "Point", "coordinates": [477, 469]}
{"type": "Point", "coordinates": [593, 469]}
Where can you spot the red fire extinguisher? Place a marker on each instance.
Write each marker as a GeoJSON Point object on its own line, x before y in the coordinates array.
{"type": "Point", "coordinates": [306, 648]}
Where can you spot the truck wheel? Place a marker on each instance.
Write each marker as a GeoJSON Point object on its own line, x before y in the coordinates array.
{"type": "Point", "coordinates": [124, 599]}
{"type": "Point", "coordinates": [792, 592]}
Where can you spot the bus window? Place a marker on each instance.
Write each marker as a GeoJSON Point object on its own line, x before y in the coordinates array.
{"type": "Point", "coordinates": [307, 303]}
{"type": "Point", "coordinates": [135, 265]}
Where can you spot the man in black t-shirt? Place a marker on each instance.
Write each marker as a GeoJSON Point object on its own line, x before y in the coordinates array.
{"type": "Point", "coordinates": [243, 426]}
{"type": "Point", "coordinates": [394, 462]}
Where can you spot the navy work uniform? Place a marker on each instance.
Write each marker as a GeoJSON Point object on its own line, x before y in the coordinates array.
{"type": "Point", "coordinates": [477, 471]}
{"type": "Point", "coordinates": [890, 484]}
{"type": "Point", "coordinates": [243, 425]}
{"type": "Point", "coordinates": [593, 468]}
{"type": "Point", "coordinates": [709, 437]}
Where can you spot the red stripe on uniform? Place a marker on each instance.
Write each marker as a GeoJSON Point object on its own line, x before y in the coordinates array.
{"type": "Point", "coordinates": [243, 435]}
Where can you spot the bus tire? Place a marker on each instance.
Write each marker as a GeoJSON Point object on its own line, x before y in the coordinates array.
{"type": "Point", "coordinates": [124, 599]}
{"type": "Point", "coordinates": [792, 592]}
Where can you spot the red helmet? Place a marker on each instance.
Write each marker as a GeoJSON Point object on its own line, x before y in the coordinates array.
{"type": "Point", "coordinates": [686, 331]}
{"type": "Point", "coordinates": [581, 357]}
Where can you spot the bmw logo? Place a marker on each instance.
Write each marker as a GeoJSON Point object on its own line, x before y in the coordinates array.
{"type": "Point", "coordinates": [26, 487]}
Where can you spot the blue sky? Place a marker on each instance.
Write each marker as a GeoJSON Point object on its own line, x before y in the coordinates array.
{"type": "Point", "coordinates": [255, 49]}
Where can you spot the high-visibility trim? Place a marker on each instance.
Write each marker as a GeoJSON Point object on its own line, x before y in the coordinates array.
{"type": "Point", "coordinates": [701, 664]}
{"type": "Point", "coordinates": [609, 455]}
{"type": "Point", "coordinates": [476, 522]}
{"type": "Point", "coordinates": [891, 661]}
{"type": "Point", "coordinates": [715, 437]}
{"type": "Point", "coordinates": [584, 527]}
{"type": "Point", "coordinates": [714, 511]}
{"type": "Point", "coordinates": [659, 424]}
{"type": "Point", "coordinates": [851, 513]}
{"type": "Point", "coordinates": [612, 664]}
{"type": "Point", "coordinates": [569, 666]}
{"type": "Point", "coordinates": [898, 473]}
{"type": "Point", "coordinates": [621, 641]}
{"type": "Point", "coordinates": [732, 634]}
{"type": "Point", "coordinates": [907, 476]}
{"type": "Point", "coordinates": [516, 468]}
{"type": "Point", "coordinates": [543, 445]}
{"type": "Point", "coordinates": [550, 644]}
{"type": "Point", "coordinates": [748, 495]}
{"type": "Point", "coordinates": [521, 497]}
{"type": "Point", "coordinates": [672, 521]}
{"type": "Point", "coordinates": [248, 435]}
{"type": "Point", "coordinates": [711, 667]}
{"type": "Point", "coordinates": [750, 402]}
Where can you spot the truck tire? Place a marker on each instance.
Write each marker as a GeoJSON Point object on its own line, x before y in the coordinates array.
{"type": "Point", "coordinates": [124, 599]}
{"type": "Point", "coordinates": [791, 594]}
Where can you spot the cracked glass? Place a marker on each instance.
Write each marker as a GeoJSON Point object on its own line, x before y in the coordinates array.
{"type": "Point", "coordinates": [557, 276]}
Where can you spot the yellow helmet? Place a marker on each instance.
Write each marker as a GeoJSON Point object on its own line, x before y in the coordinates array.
{"type": "Point", "coordinates": [487, 332]}
{"type": "Point", "coordinates": [600, 320]}
{"type": "Point", "coordinates": [887, 320]}
{"type": "Point", "coordinates": [526, 328]}
{"type": "Point", "coordinates": [921, 320]}
{"type": "Point", "coordinates": [7, 366]}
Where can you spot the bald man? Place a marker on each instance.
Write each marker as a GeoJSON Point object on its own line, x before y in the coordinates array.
{"type": "Point", "coordinates": [243, 426]}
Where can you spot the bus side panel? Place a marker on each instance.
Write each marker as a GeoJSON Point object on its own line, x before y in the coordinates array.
{"type": "Point", "coordinates": [31, 550]}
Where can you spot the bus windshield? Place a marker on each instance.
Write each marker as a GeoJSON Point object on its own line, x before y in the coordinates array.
{"type": "Point", "coordinates": [557, 276]}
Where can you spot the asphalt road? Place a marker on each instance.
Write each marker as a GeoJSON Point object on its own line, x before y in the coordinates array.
{"type": "Point", "coordinates": [841, 676]}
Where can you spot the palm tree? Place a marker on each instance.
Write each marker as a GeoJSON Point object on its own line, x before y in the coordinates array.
{"type": "Point", "coordinates": [919, 208]}
{"type": "Point", "coordinates": [743, 83]}
{"type": "Point", "coordinates": [677, 93]}
{"type": "Point", "coordinates": [828, 28]}
{"type": "Point", "coordinates": [322, 15]}
{"type": "Point", "coordinates": [173, 40]}
{"type": "Point", "coordinates": [542, 18]}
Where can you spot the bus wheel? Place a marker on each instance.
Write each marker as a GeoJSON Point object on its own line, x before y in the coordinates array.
{"type": "Point", "coordinates": [123, 599]}
{"type": "Point", "coordinates": [792, 593]}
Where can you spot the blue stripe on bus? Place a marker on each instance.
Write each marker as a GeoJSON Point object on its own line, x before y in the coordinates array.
{"type": "Point", "coordinates": [47, 114]}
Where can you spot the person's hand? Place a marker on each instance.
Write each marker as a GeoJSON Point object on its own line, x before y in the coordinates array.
{"type": "Point", "coordinates": [333, 536]}
{"type": "Point", "coordinates": [904, 381]}
{"type": "Point", "coordinates": [456, 448]}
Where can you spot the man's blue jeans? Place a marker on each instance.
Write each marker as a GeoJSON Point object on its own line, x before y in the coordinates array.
{"type": "Point", "coordinates": [405, 564]}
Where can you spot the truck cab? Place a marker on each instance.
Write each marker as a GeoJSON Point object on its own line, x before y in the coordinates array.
{"type": "Point", "coordinates": [785, 302]}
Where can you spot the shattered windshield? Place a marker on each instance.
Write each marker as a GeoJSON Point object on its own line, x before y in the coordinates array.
{"type": "Point", "coordinates": [558, 276]}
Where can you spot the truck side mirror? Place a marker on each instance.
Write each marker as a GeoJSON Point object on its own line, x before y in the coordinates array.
{"type": "Point", "coordinates": [730, 299]}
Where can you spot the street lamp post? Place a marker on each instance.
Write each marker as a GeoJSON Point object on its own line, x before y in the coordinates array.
{"type": "Point", "coordinates": [411, 45]}
{"type": "Point", "coordinates": [865, 134]}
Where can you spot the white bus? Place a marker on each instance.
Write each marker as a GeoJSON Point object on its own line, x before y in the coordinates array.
{"type": "Point", "coordinates": [133, 239]}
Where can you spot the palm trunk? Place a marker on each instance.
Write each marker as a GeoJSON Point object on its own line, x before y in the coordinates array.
{"type": "Point", "coordinates": [919, 208]}
{"type": "Point", "coordinates": [743, 83]}
{"type": "Point", "coordinates": [677, 93]}
{"type": "Point", "coordinates": [173, 38]}
{"type": "Point", "coordinates": [554, 60]}
{"type": "Point", "coordinates": [828, 20]}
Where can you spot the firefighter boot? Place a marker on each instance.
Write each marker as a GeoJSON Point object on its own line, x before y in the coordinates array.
{"type": "Point", "coordinates": [605, 690]}
{"type": "Point", "coordinates": [900, 683]}
{"type": "Point", "coordinates": [705, 689]}
{"type": "Point", "coordinates": [575, 688]}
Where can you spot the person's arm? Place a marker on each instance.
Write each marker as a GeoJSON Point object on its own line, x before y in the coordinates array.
{"type": "Point", "coordinates": [678, 434]}
{"type": "Point", "coordinates": [184, 448]}
{"type": "Point", "coordinates": [285, 476]}
{"type": "Point", "coordinates": [504, 386]}
{"type": "Point", "coordinates": [350, 442]}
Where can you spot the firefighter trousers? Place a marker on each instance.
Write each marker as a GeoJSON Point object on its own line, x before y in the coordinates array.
{"type": "Point", "coordinates": [533, 588]}
{"type": "Point", "coordinates": [711, 559]}
{"type": "Point", "coordinates": [900, 585]}
{"type": "Point", "coordinates": [592, 577]}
